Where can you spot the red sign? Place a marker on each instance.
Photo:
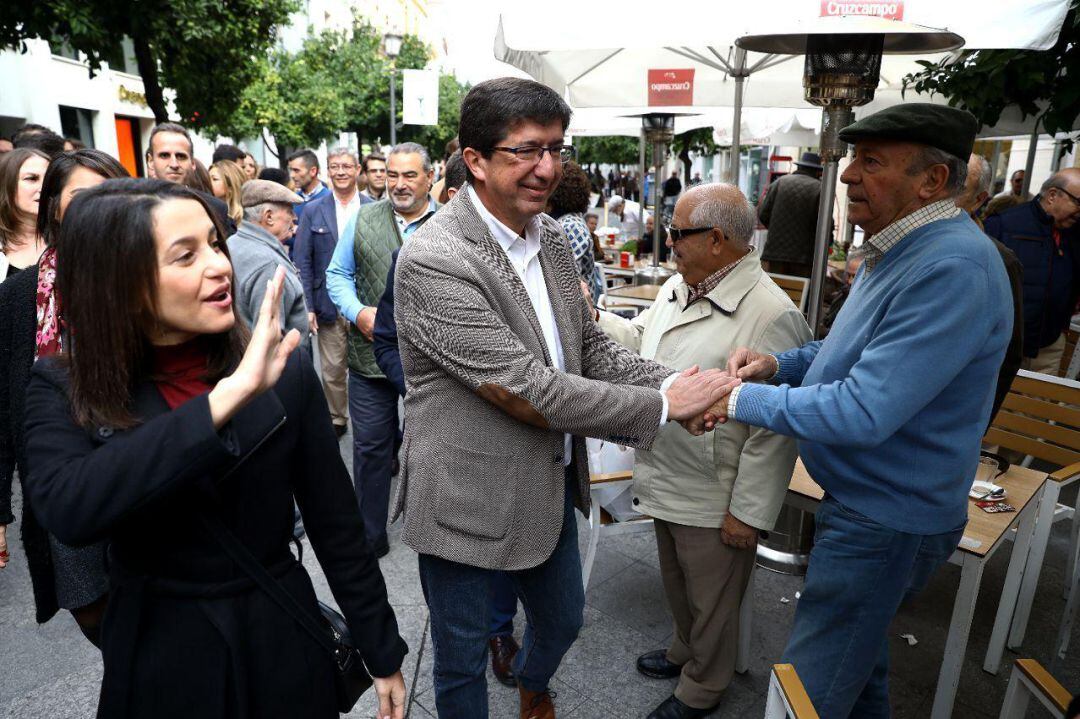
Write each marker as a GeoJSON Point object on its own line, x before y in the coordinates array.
{"type": "Point", "coordinates": [886, 10]}
{"type": "Point", "coordinates": [671, 87]}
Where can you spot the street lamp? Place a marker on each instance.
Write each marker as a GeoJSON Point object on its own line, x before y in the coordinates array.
{"type": "Point", "coordinates": [392, 44]}
{"type": "Point", "coordinates": [843, 65]}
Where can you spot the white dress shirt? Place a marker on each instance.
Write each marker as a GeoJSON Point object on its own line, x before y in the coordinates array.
{"type": "Point", "coordinates": [345, 212]}
{"type": "Point", "coordinates": [524, 256]}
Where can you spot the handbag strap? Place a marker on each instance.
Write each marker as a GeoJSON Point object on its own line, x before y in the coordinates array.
{"type": "Point", "coordinates": [266, 581]}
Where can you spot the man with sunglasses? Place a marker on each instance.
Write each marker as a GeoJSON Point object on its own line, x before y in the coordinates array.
{"type": "Point", "coordinates": [709, 495]}
{"type": "Point", "coordinates": [506, 371]}
{"type": "Point", "coordinates": [1042, 234]}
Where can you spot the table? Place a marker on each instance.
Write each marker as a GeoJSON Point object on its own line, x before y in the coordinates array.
{"type": "Point", "coordinates": [984, 534]}
{"type": "Point", "coordinates": [636, 295]}
{"type": "Point", "coordinates": [614, 270]}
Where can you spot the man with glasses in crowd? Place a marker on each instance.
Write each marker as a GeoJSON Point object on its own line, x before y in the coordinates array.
{"type": "Point", "coordinates": [313, 247]}
{"type": "Point", "coordinates": [375, 175]}
{"type": "Point", "coordinates": [1042, 234]}
{"type": "Point", "coordinates": [505, 371]}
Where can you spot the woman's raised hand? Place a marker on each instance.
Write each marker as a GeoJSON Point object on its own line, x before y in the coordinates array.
{"type": "Point", "coordinates": [263, 361]}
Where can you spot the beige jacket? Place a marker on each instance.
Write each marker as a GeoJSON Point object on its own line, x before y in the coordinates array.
{"type": "Point", "coordinates": [482, 480]}
{"type": "Point", "coordinates": [738, 468]}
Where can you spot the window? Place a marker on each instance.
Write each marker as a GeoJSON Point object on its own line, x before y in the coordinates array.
{"type": "Point", "coordinates": [78, 123]}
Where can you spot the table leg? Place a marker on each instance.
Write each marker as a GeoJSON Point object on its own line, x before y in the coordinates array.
{"type": "Point", "coordinates": [1011, 590]}
{"type": "Point", "coordinates": [594, 541]}
{"type": "Point", "coordinates": [1043, 523]}
{"type": "Point", "coordinates": [956, 642]}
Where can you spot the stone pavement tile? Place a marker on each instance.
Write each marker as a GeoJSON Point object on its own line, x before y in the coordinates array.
{"type": "Point", "coordinates": [609, 562]}
{"type": "Point", "coordinates": [593, 710]}
{"type": "Point", "coordinates": [74, 696]}
{"type": "Point", "coordinates": [639, 545]}
{"type": "Point", "coordinates": [635, 596]}
{"type": "Point", "coordinates": [416, 711]}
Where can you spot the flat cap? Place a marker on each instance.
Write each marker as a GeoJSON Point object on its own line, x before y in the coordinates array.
{"type": "Point", "coordinates": [256, 192]}
{"type": "Point", "coordinates": [946, 128]}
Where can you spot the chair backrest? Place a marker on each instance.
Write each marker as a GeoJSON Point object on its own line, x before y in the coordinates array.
{"type": "Point", "coordinates": [795, 287]}
{"type": "Point", "coordinates": [1068, 356]}
{"type": "Point", "coordinates": [787, 698]}
{"type": "Point", "coordinates": [1041, 417]}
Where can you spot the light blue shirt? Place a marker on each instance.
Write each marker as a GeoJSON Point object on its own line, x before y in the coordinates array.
{"type": "Point", "coordinates": [341, 272]}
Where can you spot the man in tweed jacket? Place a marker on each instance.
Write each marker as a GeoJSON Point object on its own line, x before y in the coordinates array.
{"type": "Point", "coordinates": [504, 371]}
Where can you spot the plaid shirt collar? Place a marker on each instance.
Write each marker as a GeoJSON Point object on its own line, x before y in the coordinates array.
{"type": "Point", "coordinates": [710, 283]}
{"type": "Point", "coordinates": [882, 242]}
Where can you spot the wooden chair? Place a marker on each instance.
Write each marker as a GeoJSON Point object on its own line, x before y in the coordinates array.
{"type": "Point", "coordinates": [1070, 358]}
{"type": "Point", "coordinates": [601, 522]}
{"type": "Point", "coordinates": [1040, 418]}
{"type": "Point", "coordinates": [787, 698]}
{"type": "Point", "coordinates": [1029, 679]}
{"type": "Point", "coordinates": [795, 287]}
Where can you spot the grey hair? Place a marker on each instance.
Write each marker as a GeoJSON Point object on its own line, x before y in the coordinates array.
{"type": "Point", "coordinates": [929, 156]}
{"type": "Point", "coordinates": [983, 185]}
{"type": "Point", "coordinates": [255, 212]}
{"type": "Point", "coordinates": [342, 151]}
{"type": "Point", "coordinates": [409, 148]}
{"type": "Point", "coordinates": [736, 220]}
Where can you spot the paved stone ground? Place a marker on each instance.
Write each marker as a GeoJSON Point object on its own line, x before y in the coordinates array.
{"type": "Point", "coordinates": [51, 672]}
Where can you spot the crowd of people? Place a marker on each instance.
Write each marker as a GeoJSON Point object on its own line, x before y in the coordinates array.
{"type": "Point", "coordinates": [161, 408]}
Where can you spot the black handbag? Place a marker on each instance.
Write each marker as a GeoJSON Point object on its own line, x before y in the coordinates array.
{"type": "Point", "coordinates": [351, 679]}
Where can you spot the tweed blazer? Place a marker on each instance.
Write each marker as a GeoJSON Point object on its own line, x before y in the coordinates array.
{"type": "Point", "coordinates": [482, 476]}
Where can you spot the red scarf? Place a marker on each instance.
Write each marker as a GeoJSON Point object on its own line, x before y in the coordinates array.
{"type": "Point", "coordinates": [48, 340]}
{"type": "Point", "coordinates": [180, 370]}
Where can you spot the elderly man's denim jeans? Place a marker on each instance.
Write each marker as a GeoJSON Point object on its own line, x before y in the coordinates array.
{"type": "Point", "coordinates": [458, 599]}
{"type": "Point", "coordinates": [860, 571]}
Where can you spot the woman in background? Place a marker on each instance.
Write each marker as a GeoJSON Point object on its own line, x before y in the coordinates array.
{"type": "Point", "coordinates": [31, 325]}
{"type": "Point", "coordinates": [21, 173]}
{"type": "Point", "coordinates": [227, 180]}
{"type": "Point", "coordinates": [568, 204]}
{"type": "Point", "coordinates": [251, 168]}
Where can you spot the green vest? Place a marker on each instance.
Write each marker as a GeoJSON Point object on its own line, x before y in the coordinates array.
{"type": "Point", "coordinates": [377, 236]}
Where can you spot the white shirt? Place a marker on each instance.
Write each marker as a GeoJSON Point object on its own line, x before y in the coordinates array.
{"type": "Point", "coordinates": [524, 256]}
{"type": "Point", "coordinates": [347, 211]}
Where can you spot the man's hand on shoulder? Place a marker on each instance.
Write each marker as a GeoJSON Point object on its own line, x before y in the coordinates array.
{"type": "Point", "coordinates": [365, 322]}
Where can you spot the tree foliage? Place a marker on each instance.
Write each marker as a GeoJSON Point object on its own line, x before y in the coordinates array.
{"type": "Point", "coordinates": [698, 141]}
{"type": "Point", "coordinates": [208, 51]}
{"type": "Point", "coordinates": [612, 149]}
{"type": "Point", "coordinates": [1039, 83]}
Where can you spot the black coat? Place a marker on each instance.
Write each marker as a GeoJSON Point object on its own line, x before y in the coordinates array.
{"type": "Point", "coordinates": [186, 633]}
{"type": "Point", "coordinates": [384, 341]}
{"type": "Point", "coordinates": [18, 326]}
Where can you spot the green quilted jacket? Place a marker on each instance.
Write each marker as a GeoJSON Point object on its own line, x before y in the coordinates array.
{"type": "Point", "coordinates": [377, 237]}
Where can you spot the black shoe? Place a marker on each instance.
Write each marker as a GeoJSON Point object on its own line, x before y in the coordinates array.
{"type": "Point", "coordinates": [655, 664]}
{"type": "Point", "coordinates": [382, 548]}
{"type": "Point", "coordinates": [502, 649]}
{"type": "Point", "coordinates": [340, 430]}
{"type": "Point", "coordinates": [672, 708]}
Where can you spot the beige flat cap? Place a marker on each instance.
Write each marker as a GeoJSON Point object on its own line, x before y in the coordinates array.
{"type": "Point", "coordinates": [256, 192]}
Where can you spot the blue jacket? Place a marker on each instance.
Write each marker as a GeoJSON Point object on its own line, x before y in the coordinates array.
{"type": "Point", "coordinates": [890, 408]}
{"type": "Point", "coordinates": [313, 246]}
{"type": "Point", "coordinates": [385, 342]}
{"type": "Point", "coordinates": [1051, 274]}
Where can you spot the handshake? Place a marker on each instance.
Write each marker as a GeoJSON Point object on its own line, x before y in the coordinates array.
{"type": "Point", "coordinates": [699, 400]}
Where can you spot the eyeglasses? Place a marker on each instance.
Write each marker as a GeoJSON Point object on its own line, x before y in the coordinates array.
{"type": "Point", "coordinates": [677, 234]}
{"type": "Point", "coordinates": [532, 153]}
{"type": "Point", "coordinates": [340, 168]}
{"type": "Point", "coordinates": [1071, 196]}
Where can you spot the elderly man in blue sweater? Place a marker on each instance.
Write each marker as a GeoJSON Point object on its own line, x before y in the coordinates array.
{"type": "Point", "coordinates": [889, 410]}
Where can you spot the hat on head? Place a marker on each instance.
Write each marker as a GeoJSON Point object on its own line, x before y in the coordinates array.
{"type": "Point", "coordinates": [256, 192]}
{"type": "Point", "coordinates": [811, 160]}
{"type": "Point", "coordinates": [946, 128]}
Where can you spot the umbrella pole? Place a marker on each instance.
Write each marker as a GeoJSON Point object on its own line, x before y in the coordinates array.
{"type": "Point", "coordinates": [1030, 165]}
{"type": "Point", "coordinates": [658, 158]}
{"type": "Point", "coordinates": [641, 193]}
{"type": "Point", "coordinates": [736, 125]}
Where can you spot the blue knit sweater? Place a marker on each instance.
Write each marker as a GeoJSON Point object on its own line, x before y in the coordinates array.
{"type": "Point", "coordinates": [890, 408]}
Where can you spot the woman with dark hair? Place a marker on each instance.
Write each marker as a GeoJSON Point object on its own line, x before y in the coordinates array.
{"type": "Point", "coordinates": [21, 173]}
{"type": "Point", "coordinates": [568, 205]}
{"type": "Point", "coordinates": [62, 576]}
{"type": "Point", "coordinates": [198, 178]}
{"type": "Point", "coordinates": [165, 429]}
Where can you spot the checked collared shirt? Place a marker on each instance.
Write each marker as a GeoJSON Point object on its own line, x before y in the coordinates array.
{"type": "Point", "coordinates": [877, 245]}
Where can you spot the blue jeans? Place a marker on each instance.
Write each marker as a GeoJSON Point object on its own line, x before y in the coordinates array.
{"type": "Point", "coordinates": [859, 573]}
{"type": "Point", "coordinates": [458, 598]}
{"type": "Point", "coordinates": [373, 409]}
{"type": "Point", "coordinates": [503, 605]}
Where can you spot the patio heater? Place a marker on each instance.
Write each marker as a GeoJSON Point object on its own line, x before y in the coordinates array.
{"type": "Point", "coordinates": [843, 65]}
{"type": "Point", "coordinates": [659, 129]}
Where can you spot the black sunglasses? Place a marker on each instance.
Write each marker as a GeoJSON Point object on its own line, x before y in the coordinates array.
{"type": "Point", "coordinates": [677, 234]}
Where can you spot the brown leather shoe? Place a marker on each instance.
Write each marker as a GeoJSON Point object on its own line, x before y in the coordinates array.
{"type": "Point", "coordinates": [537, 705]}
{"type": "Point", "coordinates": [503, 649]}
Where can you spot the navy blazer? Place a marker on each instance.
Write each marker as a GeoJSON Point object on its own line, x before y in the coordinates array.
{"type": "Point", "coordinates": [385, 343]}
{"type": "Point", "coordinates": [313, 246]}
